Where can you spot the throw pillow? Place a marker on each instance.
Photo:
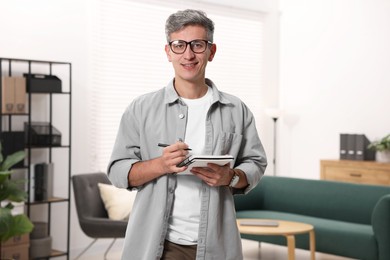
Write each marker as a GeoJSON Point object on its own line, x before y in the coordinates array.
{"type": "Point", "coordinates": [118, 202]}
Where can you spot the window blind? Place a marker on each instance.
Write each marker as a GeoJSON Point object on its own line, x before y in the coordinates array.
{"type": "Point", "coordinates": [127, 59]}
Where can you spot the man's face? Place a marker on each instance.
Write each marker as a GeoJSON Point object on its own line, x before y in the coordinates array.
{"type": "Point", "coordinates": [190, 66]}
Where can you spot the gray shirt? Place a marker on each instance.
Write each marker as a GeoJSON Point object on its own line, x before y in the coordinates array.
{"type": "Point", "coordinates": [161, 117]}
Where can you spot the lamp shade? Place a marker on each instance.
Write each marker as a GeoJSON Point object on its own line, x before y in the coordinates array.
{"type": "Point", "coordinates": [273, 112]}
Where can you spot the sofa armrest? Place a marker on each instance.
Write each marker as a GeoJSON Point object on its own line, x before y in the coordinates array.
{"type": "Point", "coordinates": [380, 220]}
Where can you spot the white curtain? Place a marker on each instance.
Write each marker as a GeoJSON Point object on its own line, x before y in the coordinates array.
{"type": "Point", "coordinates": [127, 59]}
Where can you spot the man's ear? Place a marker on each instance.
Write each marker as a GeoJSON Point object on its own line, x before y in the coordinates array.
{"type": "Point", "coordinates": [168, 52]}
{"type": "Point", "coordinates": [213, 50]}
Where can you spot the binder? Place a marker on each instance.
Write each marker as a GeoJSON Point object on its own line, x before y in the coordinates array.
{"type": "Point", "coordinates": [32, 183]}
{"type": "Point", "coordinates": [361, 150]}
{"type": "Point", "coordinates": [13, 95]}
{"type": "Point", "coordinates": [20, 95]}
{"type": "Point", "coordinates": [343, 146]}
{"type": "Point", "coordinates": [48, 180]}
{"type": "Point", "coordinates": [39, 182]}
{"type": "Point", "coordinates": [354, 147]}
{"type": "Point", "coordinates": [351, 146]}
{"type": "Point", "coordinates": [8, 95]}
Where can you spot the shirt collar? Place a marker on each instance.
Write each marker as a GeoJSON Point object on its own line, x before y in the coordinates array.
{"type": "Point", "coordinates": [171, 95]}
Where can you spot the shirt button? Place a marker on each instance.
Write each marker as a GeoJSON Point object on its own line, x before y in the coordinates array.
{"type": "Point", "coordinates": [181, 116]}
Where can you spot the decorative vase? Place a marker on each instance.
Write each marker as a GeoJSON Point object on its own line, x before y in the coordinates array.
{"type": "Point", "coordinates": [383, 156]}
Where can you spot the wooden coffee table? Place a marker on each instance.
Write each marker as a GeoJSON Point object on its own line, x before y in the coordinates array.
{"type": "Point", "coordinates": [285, 228]}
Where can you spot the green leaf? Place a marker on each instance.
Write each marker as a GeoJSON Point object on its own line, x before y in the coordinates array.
{"type": "Point", "coordinates": [10, 190]}
{"type": "Point", "coordinates": [6, 222]}
{"type": "Point", "coordinates": [13, 225]}
{"type": "Point", "coordinates": [21, 225]}
{"type": "Point", "coordinates": [12, 159]}
{"type": "Point", "coordinates": [4, 176]}
{"type": "Point", "coordinates": [381, 145]}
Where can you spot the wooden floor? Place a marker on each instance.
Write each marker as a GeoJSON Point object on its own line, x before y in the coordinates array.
{"type": "Point", "coordinates": [250, 248]}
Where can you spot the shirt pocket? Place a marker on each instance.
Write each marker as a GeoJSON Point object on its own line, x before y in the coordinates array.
{"type": "Point", "coordinates": [229, 143]}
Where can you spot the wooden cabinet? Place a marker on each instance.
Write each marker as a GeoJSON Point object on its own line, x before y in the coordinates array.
{"type": "Point", "coordinates": [365, 172]}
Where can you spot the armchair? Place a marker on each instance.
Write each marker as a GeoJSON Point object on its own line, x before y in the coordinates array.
{"type": "Point", "coordinates": [92, 215]}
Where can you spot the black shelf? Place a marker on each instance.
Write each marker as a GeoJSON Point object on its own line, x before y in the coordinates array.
{"type": "Point", "coordinates": [50, 200]}
{"type": "Point", "coordinates": [18, 67]}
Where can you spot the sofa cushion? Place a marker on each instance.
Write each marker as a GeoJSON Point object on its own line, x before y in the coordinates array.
{"type": "Point", "coordinates": [118, 202]}
{"type": "Point", "coordinates": [339, 237]}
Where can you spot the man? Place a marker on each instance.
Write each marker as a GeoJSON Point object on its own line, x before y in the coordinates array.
{"type": "Point", "coordinates": [178, 213]}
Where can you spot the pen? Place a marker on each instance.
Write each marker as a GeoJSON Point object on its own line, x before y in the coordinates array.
{"type": "Point", "coordinates": [165, 145]}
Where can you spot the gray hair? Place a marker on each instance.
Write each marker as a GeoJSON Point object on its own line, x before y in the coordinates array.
{"type": "Point", "coordinates": [181, 19]}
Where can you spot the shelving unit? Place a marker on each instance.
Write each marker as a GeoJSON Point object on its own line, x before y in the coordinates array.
{"type": "Point", "coordinates": [54, 108]}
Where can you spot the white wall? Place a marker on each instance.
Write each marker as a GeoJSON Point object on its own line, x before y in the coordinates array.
{"type": "Point", "coordinates": [334, 78]}
{"type": "Point", "coordinates": [55, 31]}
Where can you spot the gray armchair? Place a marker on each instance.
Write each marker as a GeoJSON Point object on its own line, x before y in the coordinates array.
{"type": "Point", "coordinates": [93, 217]}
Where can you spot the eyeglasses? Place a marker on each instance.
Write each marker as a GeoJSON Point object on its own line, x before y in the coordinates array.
{"type": "Point", "coordinates": [197, 46]}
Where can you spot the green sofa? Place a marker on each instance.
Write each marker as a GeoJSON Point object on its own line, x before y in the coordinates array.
{"type": "Point", "coordinates": [350, 220]}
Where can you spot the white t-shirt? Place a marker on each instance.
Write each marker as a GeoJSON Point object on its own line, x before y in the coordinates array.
{"type": "Point", "coordinates": [184, 221]}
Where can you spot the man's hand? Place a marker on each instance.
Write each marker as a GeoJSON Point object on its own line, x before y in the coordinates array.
{"type": "Point", "coordinates": [145, 171]}
{"type": "Point", "coordinates": [173, 155]}
{"type": "Point", "coordinates": [214, 175]}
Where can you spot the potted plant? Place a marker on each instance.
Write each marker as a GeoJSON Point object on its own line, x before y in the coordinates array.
{"type": "Point", "coordinates": [382, 148]}
{"type": "Point", "coordinates": [11, 225]}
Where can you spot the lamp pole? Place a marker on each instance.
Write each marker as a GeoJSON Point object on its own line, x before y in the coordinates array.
{"type": "Point", "coordinates": [274, 157]}
{"type": "Point", "coordinates": [274, 113]}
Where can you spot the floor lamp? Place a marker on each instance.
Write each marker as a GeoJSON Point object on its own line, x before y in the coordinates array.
{"type": "Point", "coordinates": [274, 114]}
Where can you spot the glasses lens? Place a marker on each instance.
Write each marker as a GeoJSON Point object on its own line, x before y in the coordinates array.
{"type": "Point", "coordinates": [198, 46]}
{"type": "Point", "coordinates": [178, 46]}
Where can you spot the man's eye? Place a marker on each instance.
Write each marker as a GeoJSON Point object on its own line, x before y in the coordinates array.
{"type": "Point", "coordinates": [178, 46]}
{"type": "Point", "coordinates": [198, 45]}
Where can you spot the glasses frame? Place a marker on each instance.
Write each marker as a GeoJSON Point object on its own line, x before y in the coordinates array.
{"type": "Point", "coordinates": [208, 43]}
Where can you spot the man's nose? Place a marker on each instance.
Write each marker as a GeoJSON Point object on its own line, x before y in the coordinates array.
{"type": "Point", "coordinates": [189, 54]}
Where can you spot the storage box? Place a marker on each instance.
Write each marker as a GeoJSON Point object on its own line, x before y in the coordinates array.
{"type": "Point", "coordinates": [18, 207]}
{"type": "Point", "coordinates": [17, 240]}
{"type": "Point", "coordinates": [41, 247]}
{"type": "Point", "coordinates": [16, 248]}
{"type": "Point", "coordinates": [19, 252]}
{"type": "Point", "coordinates": [42, 134]}
{"type": "Point", "coordinates": [41, 230]}
{"type": "Point", "coordinates": [40, 83]}
{"type": "Point", "coordinates": [13, 142]}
